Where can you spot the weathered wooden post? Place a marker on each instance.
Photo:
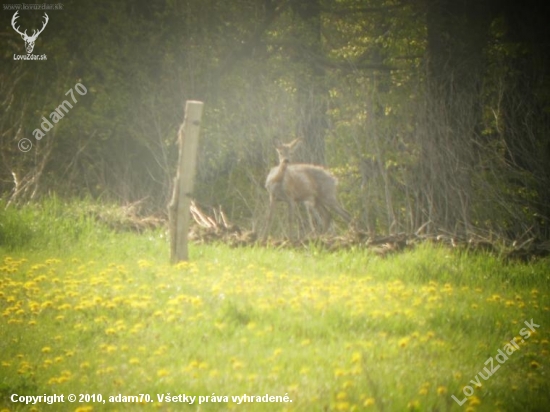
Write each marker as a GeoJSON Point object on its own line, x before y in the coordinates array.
{"type": "Point", "coordinates": [178, 209]}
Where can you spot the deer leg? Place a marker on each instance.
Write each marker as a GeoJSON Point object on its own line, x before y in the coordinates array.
{"type": "Point", "coordinates": [334, 205]}
{"type": "Point", "coordinates": [309, 209]}
{"type": "Point", "coordinates": [324, 217]}
{"type": "Point", "coordinates": [319, 223]}
{"type": "Point", "coordinates": [269, 216]}
{"type": "Point", "coordinates": [291, 208]}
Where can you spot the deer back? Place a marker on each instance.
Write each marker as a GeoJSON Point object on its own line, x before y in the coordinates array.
{"type": "Point", "coordinates": [301, 182]}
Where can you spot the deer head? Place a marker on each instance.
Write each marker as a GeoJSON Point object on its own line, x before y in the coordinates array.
{"type": "Point", "coordinates": [285, 150]}
{"type": "Point", "coordinates": [29, 40]}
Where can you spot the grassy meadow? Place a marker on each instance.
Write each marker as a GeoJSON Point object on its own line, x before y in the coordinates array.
{"type": "Point", "coordinates": [85, 310]}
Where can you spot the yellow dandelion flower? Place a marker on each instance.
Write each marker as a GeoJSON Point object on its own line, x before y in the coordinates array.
{"type": "Point", "coordinates": [342, 406]}
{"type": "Point", "coordinates": [220, 325]}
{"type": "Point", "coordinates": [339, 372]}
{"type": "Point", "coordinates": [14, 322]}
{"type": "Point", "coordinates": [441, 390]}
{"type": "Point", "coordinates": [534, 365]}
{"type": "Point", "coordinates": [413, 405]}
{"type": "Point", "coordinates": [403, 342]}
{"type": "Point", "coordinates": [238, 365]}
{"type": "Point", "coordinates": [111, 348]}
{"type": "Point", "coordinates": [46, 349]}
{"type": "Point", "coordinates": [192, 365]}
{"type": "Point", "coordinates": [163, 372]}
{"type": "Point", "coordinates": [144, 263]}
{"type": "Point", "coordinates": [423, 391]}
{"type": "Point", "coordinates": [474, 401]}
{"type": "Point", "coordinates": [369, 402]}
{"type": "Point", "coordinates": [347, 384]}
{"type": "Point", "coordinates": [182, 265]}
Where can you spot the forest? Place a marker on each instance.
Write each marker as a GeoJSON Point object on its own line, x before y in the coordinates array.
{"type": "Point", "coordinates": [433, 114]}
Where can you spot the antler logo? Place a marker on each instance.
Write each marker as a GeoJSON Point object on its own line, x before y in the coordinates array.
{"type": "Point", "coordinates": [29, 40]}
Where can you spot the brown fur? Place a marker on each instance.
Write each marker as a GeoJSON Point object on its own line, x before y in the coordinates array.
{"type": "Point", "coordinates": [309, 184]}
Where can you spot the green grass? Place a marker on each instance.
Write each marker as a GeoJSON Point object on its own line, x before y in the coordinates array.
{"type": "Point", "coordinates": [85, 310]}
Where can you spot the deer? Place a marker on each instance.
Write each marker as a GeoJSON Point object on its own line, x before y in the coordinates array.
{"type": "Point", "coordinates": [309, 184]}
{"type": "Point", "coordinates": [29, 40]}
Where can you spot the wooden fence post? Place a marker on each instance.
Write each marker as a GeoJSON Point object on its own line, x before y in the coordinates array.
{"type": "Point", "coordinates": [178, 209]}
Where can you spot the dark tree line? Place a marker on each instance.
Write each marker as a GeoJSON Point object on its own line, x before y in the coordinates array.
{"type": "Point", "coordinates": [433, 113]}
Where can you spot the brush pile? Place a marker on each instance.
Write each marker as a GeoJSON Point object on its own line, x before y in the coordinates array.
{"type": "Point", "coordinates": [216, 228]}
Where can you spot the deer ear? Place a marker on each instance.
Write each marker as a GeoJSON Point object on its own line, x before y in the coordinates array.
{"type": "Point", "coordinates": [296, 142]}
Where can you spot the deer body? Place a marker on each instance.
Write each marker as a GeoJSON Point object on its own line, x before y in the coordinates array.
{"type": "Point", "coordinates": [311, 185]}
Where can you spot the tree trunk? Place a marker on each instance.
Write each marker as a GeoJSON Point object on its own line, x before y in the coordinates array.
{"type": "Point", "coordinates": [311, 89]}
{"type": "Point", "coordinates": [457, 32]}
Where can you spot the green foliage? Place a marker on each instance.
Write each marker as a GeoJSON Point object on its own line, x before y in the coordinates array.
{"type": "Point", "coordinates": [39, 226]}
{"type": "Point", "coordinates": [69, 227]}
{"type": "Point", "coordinates": [411, 140]}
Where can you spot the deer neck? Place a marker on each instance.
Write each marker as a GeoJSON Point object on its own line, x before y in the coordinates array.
{"type": "Point", "coordinates": [283, 165]}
